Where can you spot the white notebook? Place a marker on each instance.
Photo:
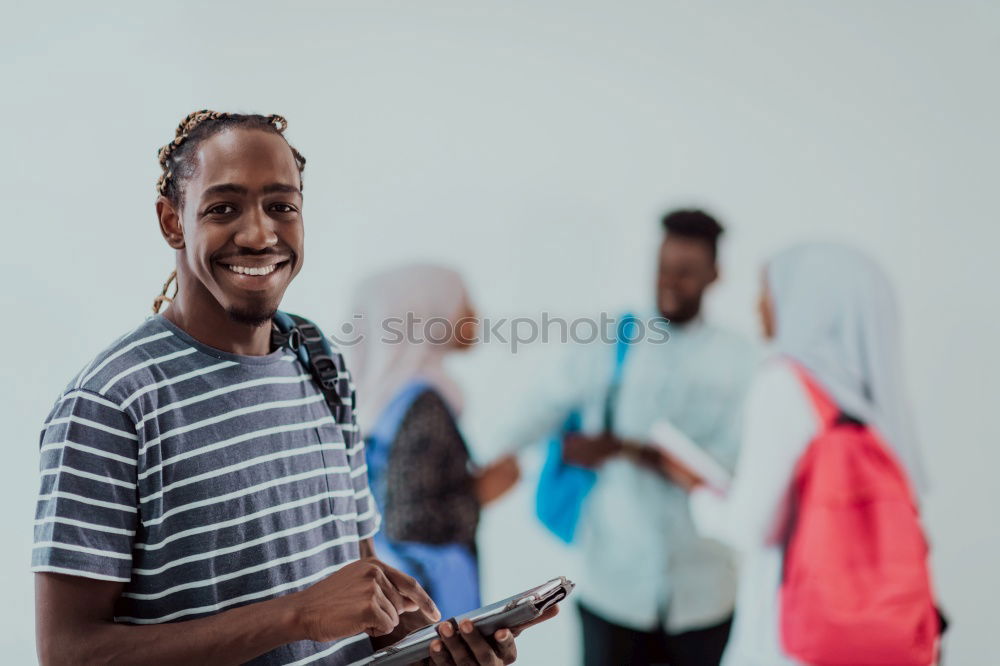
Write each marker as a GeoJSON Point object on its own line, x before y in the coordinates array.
{"type": "Point", "coordinates": [692, 456]}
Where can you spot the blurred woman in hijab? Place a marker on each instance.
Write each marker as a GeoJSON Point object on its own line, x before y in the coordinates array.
{"type": "Point", "coordinates": [429, 492]}
{"type": "Point", "coordinates": [831, 310]}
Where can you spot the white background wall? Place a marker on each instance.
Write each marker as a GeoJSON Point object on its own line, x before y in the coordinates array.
{"type": "Point", "coordinates": [532, 145]}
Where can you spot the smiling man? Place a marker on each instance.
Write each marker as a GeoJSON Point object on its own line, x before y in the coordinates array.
{"type": "Point", "coordinates": [199, 501]}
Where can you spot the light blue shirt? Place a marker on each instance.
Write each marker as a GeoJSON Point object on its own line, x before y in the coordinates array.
{"type": "Point", "coordinates": [643, 560]}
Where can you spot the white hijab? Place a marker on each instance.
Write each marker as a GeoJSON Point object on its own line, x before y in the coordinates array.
{"type": "Point", "coordinates": [835, 313]}
{"type": "Point", "coordinates": [385, 360]}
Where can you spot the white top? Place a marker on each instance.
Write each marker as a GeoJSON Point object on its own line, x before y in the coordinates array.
{"type": "Point", "coordinates": [779, 423]}
{"type": "Point", "coordinates": [644, 560]}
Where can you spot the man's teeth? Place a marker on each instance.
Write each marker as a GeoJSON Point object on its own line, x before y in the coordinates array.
{"type": "Point", "coordinates": [253, 270]}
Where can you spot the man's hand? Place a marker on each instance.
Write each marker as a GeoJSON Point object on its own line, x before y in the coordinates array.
{"type": "Point", "coordinates": [408, 623]}
{"type": "Point", "coordinates": [589, 451]}
{"type": "Point", "coordinates": [463, 645]}
{"type": "Point", "coordinates": [367, 596]}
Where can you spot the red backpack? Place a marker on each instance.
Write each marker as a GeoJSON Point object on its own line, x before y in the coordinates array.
{"type": "Point", "coordinates": [856, 588]}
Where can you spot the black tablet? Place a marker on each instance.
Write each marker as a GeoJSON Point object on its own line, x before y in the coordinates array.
{"type": "Point", "coordinates": [506, 614]}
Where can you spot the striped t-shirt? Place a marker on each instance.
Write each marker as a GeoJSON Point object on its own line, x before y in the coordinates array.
{"type": "Point", "coordinates": [203, 480]}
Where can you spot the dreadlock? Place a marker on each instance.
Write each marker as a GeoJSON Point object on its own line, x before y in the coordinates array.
{"type": "Point", "coordinates": [177, 165]}
{"type": "Point", "coordinates": [163, 298]}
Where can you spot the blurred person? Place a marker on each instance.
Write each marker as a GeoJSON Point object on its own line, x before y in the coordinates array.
{"type": "Point", "coordinates": [199, 502]}
{"type": "Point", "coordinates": [419, 466]}
{"type": "Point", "coordinates": [653, 590]}
{"type": "Point", "coordinates": [830, 312]}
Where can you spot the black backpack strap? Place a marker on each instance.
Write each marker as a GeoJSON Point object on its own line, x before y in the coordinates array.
{"type": "Point", "coordinates": [324, 363]}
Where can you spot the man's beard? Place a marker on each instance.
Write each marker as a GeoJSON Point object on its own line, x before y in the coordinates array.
{"type": "Point", "coordinates": [684, 312]}
{"type": "Point", "coordinates": [255, 317]}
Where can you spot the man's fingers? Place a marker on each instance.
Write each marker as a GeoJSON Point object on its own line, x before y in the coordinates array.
{"type": "Point", "coordinates": [382, 622]}
{"type": "Point", "coordinates": [549, 613]}
{"type": "Point", "coordinates": [385, 613]}
{"type": "Point", "coordinates": [476, 643]}
{"type": "Point", "coordinates": [454, 645]}
{"type": "Point", "coordinates": [410, 588]}
{"type": "Point", "coordinates": [439, 655]}
{"type": "Point", "coordinates": [506, 648]}
{"type": "Point", "coordinates": [398, 601]}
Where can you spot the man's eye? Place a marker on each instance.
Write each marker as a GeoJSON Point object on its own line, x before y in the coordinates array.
{"type": "Point", "coordinates": [282, 208]}
{"type": "Point", "coordinates": [222, 209]}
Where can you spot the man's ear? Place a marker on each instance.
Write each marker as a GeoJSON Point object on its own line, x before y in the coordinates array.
{"type": "Point", "coordinates": [170, 222]}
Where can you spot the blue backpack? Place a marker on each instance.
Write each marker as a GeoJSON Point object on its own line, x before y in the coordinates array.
{"type": "Point", "coordinates": [563, 487]}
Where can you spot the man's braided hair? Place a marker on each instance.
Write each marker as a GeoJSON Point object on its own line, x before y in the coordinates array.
{"type": "Point", "coordinates": [177, 163]}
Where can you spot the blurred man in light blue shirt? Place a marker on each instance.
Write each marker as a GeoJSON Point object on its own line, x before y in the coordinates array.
{"type": "Point", "coordinates": [652, 592]}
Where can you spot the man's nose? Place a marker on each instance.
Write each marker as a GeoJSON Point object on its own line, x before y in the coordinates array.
{"type": "Point", "coordinates": [670, 277]}
{"type": "Point", "coordinates": [256, 231]}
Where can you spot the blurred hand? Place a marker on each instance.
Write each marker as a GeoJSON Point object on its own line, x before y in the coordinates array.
{"type": "Point", "coordinates": [588, 450]}
{"type": "Point", "coordinates": [463, 645]}
{"type": "Point", "coordinates": [679, 474]}
{"type": "Point", "coordinates": [656, 459]}
{"type": "Point", "coordinates": [495, 480]}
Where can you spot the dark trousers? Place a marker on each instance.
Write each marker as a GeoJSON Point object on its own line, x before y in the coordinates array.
{"type": "Point", "coordinates": [608, 644]}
